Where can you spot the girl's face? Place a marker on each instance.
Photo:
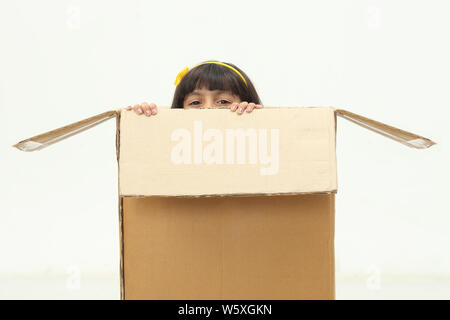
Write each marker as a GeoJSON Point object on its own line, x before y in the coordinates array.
{"type": "Point", "coordinates": [203, 98]}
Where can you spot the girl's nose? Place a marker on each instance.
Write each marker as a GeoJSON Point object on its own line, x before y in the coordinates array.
{"type": "Point", "coordinates": [208, 102]}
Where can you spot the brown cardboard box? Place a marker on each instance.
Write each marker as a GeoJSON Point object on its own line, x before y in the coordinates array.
{"type": "Point", "coordinates": [220, 206]}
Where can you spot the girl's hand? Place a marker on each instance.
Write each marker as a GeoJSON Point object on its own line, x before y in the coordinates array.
{"type": "Point", "coordinates": [144, 108]}
{"type": "Point", "coordinates": [244, 106]}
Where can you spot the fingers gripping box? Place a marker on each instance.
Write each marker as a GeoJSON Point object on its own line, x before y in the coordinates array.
{"type": "Point", "coordinates": [221, 206]}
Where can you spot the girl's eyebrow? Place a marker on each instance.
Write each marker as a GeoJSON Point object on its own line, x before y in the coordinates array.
{"type": "Point", "coordinates": [198, 93]}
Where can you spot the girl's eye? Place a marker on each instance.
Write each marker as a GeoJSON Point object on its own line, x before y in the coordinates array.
{"type": "Point", "coordinates": [192, 103]}
{"type": "Point", "coordinates": [226, 101]}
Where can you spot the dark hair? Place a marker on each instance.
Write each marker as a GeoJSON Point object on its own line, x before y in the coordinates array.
{"type": "Point", "coordinates": [213, 76]}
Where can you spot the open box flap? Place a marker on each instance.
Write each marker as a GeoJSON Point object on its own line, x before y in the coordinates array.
{"type": "Point", "coordinates": [45, 139]}
{"type": "Point", "coordinates": [407, 138]}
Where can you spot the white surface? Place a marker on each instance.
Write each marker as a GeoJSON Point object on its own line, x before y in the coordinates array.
{"type": "Point", "coordinates": [94, 286]}
{"type": "Point", "coordinates": [62, 61]}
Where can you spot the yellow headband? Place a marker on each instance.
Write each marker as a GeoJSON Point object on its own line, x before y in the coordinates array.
{"type": "Point", "coordinates": [186, 70]}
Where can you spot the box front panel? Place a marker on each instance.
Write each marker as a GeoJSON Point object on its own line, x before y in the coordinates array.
{"type": "Point", "coordinates": [216, 152]}
{"type": "Point", "coordinates": [256, 247]}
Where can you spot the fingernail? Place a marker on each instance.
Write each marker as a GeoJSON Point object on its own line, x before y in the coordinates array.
{"type": "Point", "coordinates": [240, 110]}
{"type": "Point", "coordinates": [139, 110]}
{"type": "Point", "coordinates": [233, 107]}
{"type": "Point", "coordinates": [147, 112]}
{"type": "Point", "coordinates": [153, 111]}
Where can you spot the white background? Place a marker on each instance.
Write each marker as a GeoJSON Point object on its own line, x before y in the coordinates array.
{"type": "Point", "coordinates": [61, 61]}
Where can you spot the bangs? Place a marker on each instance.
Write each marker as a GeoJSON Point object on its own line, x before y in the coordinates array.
{"type": "Point", "coordinates": [211, 77]}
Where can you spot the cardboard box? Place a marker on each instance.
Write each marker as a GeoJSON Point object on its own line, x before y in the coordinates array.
{"type": "Point", "coordinates": [220, 206]}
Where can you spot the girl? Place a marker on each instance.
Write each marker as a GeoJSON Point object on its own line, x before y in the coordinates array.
{"type": "Point", "coordinates": [211, 84]}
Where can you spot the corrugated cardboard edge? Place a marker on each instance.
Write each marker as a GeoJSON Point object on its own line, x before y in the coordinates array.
{"type": "Point", "coordinates": [229, 194]}
{"type": "Point", "coordinates": [120, 212]}
{"type": "Point", "coordinates": [407, 138]}
{"type": "Point", "coordinates": [50, 137]}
